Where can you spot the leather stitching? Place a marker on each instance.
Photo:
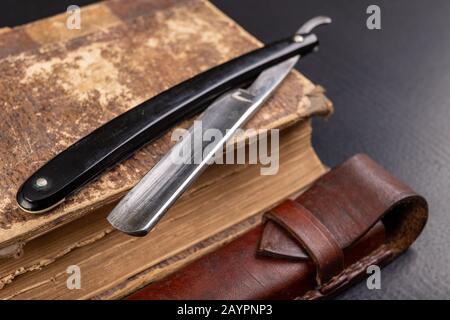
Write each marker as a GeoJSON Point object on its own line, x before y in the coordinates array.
{"type": "Point", "coordinates": [383, 254]}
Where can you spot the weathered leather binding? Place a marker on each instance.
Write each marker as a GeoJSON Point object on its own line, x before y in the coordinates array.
{"type": "Point", "coordinates": [354, 216]}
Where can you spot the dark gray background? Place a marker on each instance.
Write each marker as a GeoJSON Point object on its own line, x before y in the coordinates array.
{"type": "Point", "coordinates": [391, 91]}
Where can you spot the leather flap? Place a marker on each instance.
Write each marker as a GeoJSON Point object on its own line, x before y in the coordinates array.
{"type": "Point", "coordinates": [348, 201]}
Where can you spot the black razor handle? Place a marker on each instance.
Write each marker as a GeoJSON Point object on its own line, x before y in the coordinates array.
{"type": "Point", "coordinates": [121, 137]}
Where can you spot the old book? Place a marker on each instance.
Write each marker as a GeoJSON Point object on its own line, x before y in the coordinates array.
{"type": "Point", "coordinates": [58, 88]}
{"type": "Point", "coordinates": [57, 93]}
{"type": "Point", "coordinates": [225, 202]}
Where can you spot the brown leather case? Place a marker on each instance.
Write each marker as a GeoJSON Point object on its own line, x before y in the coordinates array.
{"type": "Point", "coordinates": [354, 216]}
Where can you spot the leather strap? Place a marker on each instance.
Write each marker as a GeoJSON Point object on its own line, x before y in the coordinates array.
{"type": "Point", "coordinates": [313, 236]}
{"type": "Point", "coordinates": [342, 206]}
{"type": "Point", "coordinates": [351, 198]}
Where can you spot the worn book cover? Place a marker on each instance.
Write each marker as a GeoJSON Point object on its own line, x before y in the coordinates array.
{"type": "Point", "coordinates": [55, 92]}
{"type": "Point", "coordinates": [60, 85]}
